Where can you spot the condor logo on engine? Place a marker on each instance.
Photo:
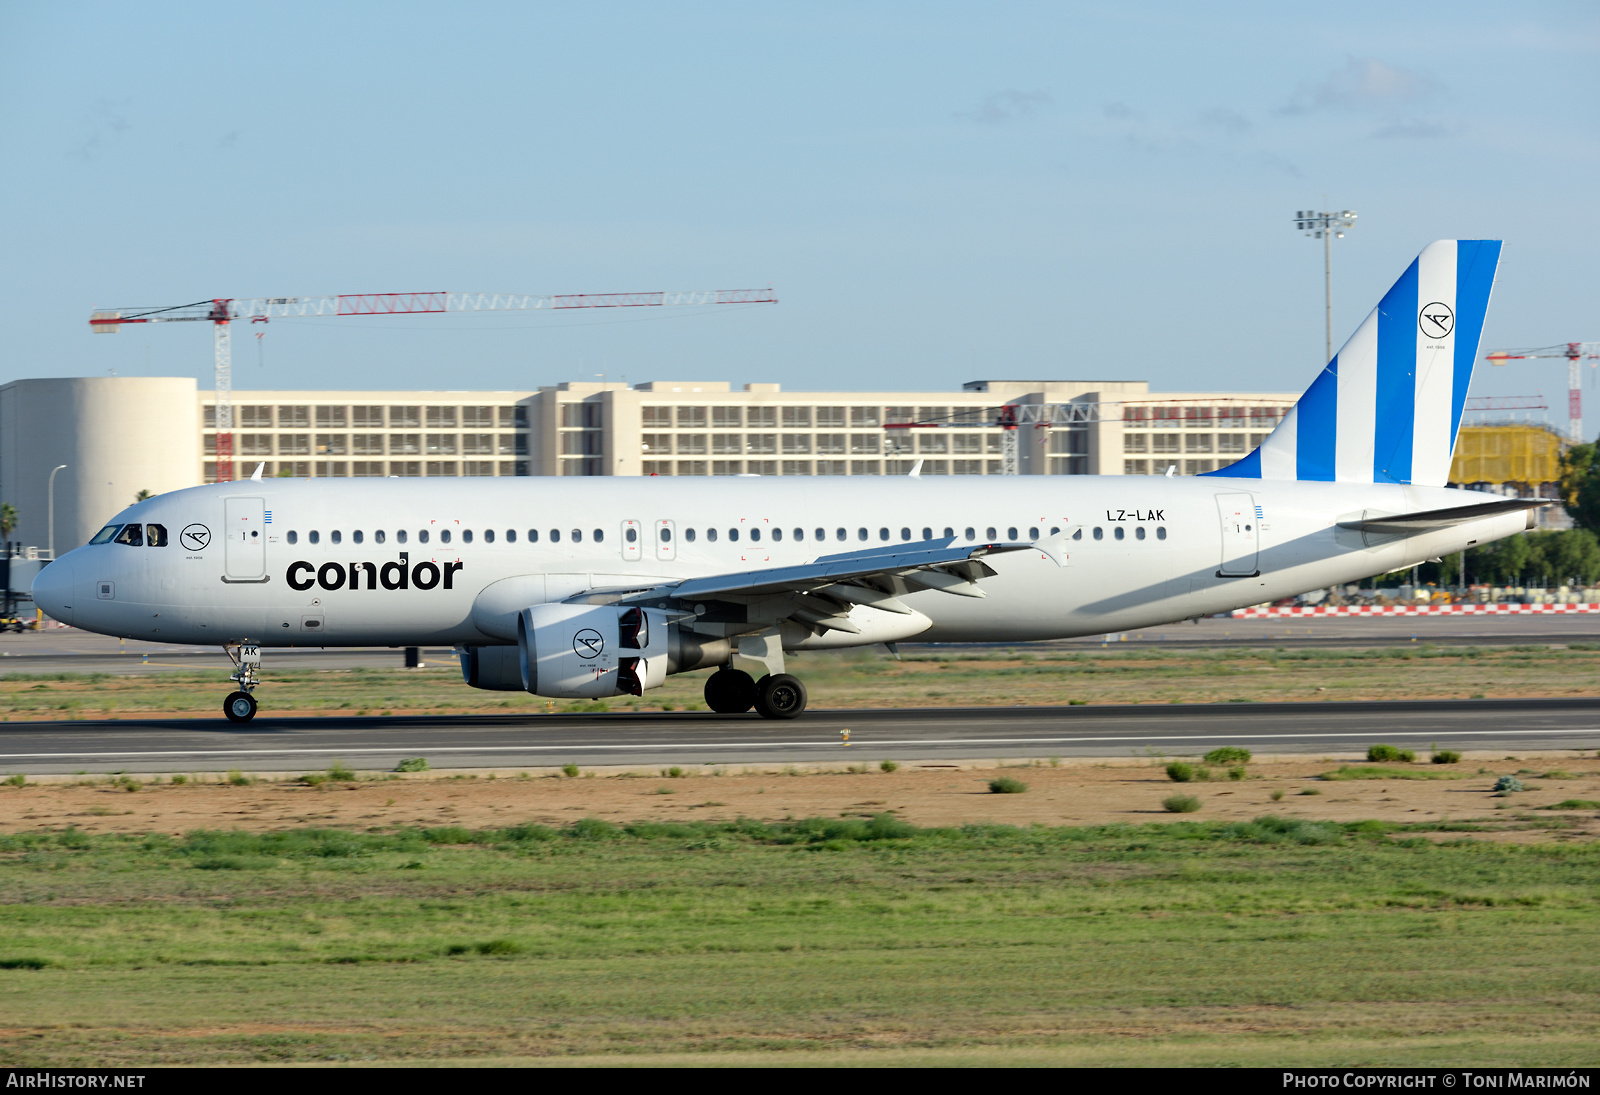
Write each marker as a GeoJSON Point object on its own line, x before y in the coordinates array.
{"type": "Point", "coordinates": [302, 575]}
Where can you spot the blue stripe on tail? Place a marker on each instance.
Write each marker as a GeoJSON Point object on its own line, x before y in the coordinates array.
{"type": "Point", "coordinates": [1476, 263]}
{"type": "Point", "coordinates": [1397, 380]}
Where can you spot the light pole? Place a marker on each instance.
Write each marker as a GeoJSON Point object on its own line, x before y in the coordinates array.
{"type": "Point", "coordinates": [1325, 226]}
{"type": "Point", "coordinates": [52, 492]}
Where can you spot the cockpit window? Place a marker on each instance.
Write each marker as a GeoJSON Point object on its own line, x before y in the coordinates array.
{"type": "Point", "coordinates": [131, 536]}
{"type": "Point", "coordinates": [104, 535]}
{"type": "Point", "coordinates": [155, 535]}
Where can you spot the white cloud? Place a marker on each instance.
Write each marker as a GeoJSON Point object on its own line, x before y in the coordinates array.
{"type": "Point", "coordinates": [1364, 83]}
{"type": "Point", "coordinates": [1006, 106]}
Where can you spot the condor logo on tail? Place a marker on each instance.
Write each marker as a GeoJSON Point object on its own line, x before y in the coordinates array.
{"type": "Point", "coordinates": [302, 575]}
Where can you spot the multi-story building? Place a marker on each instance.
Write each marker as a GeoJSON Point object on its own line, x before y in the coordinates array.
{"type": "Point", "coordinates": [116, 436]}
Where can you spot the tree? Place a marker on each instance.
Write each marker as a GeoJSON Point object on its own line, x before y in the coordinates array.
{"type": "Point", "coordinates": [142, 495]}
{"type": "Point", "coordinates": [1580, 484]}
{"type": "Point", "coordinates": [8, 518]}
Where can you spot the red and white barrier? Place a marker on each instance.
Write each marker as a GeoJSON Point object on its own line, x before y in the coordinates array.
{"type": "Point", "coordinates": [1278, 611]}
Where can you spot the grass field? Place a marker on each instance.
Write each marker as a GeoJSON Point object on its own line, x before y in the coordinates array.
{"type": "Point", "coordinates": [850, 940]}
{"type": "Point", "coordinates": [871, 678]}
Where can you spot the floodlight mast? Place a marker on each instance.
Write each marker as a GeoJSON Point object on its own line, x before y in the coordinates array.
{"type": "Point", "coordinates": [1326, 226]}
{"type": "Point", "coordinates": [222, 311]}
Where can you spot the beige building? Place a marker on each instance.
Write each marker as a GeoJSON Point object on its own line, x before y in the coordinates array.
{"type": "Point", "coordinates": [122, 435]}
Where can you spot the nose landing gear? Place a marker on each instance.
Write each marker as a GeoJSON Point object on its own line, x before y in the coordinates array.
{"type": "Point", "coordinates": [240, 706]}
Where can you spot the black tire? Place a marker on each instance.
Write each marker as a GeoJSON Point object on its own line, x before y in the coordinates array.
{"type": "Point", "coordinates": [239, 707]}
{"type": "Point", "coordinates": [730, 692]}
{"type": "Point", "coordinates": [780, 696]}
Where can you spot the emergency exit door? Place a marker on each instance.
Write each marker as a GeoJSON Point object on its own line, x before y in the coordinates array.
{"type": "Point", "coordinates": [1241, 535]}
{"type": "Point", "coordinates": [244, 539]}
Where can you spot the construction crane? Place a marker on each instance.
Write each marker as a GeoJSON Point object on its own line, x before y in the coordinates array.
{"type": "Point", "coordinates": [1574, 352]}
{"type": "Point", "coordinates": [223, 311]}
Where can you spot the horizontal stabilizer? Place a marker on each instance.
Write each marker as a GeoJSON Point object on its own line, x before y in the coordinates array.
{"type": "Point", "coordinates": [1409, 524]}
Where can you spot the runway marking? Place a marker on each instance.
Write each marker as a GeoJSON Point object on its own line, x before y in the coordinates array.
{"type": "Point", "coordinates": [572, 747]}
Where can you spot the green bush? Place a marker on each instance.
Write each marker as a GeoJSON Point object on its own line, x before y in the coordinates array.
{"type": "Point", "coordinates": [313, 779]}
{"type": "Point", "coordinates": [570, 770]}
{"type": "Point", "coordinates": [1507, 784]}
{"type": "Point", "coordinates": [1389, 753]}
{"type": "Point", "coordinates": [1179, 772]}
{"type": "Point", "coordinates": [888, 765]}
{"type": "Point", "coordinates": [1181, 804]}
{"type": "Point", "coordinates": [18, 780]}
{"type": "Point", "coordinates": [666, 773]}
{"type": "Point", "coordinates": [1005, 785]}
{"type": "Point", "coordinates": [180, 779]}
{"type": "Point", "coordinates": [1446, 756]}
{"type": "Point", "coordinates": [238, 778]}
{"type": "Point", "coordinates": [1237, 772]}
{"type": "Point", "coordinates": [1228, 754]}
{"type": "Point", "coordinates": [340, 773]}
{"type": "Point", "coordinates": [413, 764]}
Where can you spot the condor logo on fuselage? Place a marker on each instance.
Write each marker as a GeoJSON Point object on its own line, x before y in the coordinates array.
{"type": "Point", "coordinates": [401, 575]}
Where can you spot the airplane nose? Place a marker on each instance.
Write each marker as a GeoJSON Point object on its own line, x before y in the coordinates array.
{"type": "Point", "coordinates": [52, 590]}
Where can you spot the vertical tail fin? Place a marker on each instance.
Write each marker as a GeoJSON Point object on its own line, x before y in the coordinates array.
{"type": "Point", "coordinates": [1387, 407]}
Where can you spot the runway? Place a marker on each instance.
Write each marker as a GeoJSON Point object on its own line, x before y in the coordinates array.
{"type": "Point", "coordinates": [922, 735]}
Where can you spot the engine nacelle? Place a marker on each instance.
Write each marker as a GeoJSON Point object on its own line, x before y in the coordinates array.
{"type": "Point", "coordinates": [571, 651]}
{"type": "Point", "coordinates": [496, 668]}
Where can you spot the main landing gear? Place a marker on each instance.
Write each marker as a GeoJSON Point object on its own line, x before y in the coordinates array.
{"type": "Point", "coordinates": [240, 706]}
{"type": "Point", "coordinates": [732, 691]}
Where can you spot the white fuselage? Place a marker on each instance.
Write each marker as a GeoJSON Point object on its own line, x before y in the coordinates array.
{"type": "Point", "coordinates": [272, 562]}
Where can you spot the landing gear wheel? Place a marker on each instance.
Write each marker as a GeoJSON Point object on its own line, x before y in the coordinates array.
{"type": "Point", "coordinates": [780, 696]}
{"type": "Point", "coordinates": [239, 707]}
{"type": "Point", "coordinates": [730, 692]}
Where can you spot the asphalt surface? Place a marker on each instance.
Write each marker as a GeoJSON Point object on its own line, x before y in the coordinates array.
{"type": "Point", "coordinates": [921, 735]}
{"type": "Point", "coordinates": [69, 650]}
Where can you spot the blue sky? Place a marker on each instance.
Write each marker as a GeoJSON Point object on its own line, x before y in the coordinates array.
{"type": "Point", "coordinates": [938, 192]}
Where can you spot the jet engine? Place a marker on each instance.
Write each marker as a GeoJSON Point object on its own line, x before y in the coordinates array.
{"type": "Point", "coordinates": [575, 651]}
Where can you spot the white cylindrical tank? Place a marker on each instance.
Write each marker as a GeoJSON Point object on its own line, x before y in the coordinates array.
{"type": "Point", "coordinates": [117, 436]}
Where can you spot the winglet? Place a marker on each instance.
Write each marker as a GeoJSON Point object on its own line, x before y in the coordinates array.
{"type": "Point", "coordinates": [916, 470]}
{"type": "Point", "coordinates": [256, 478]}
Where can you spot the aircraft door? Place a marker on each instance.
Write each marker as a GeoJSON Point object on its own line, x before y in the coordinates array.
{"type": "Point", "coordinates": [666, 541]}
{"type": "Point", "coordinates": [1241, 535]}
{"type": "Point", "coordinates": [244, 539]}
{"type": "Point", "coordinates": [632, 540]}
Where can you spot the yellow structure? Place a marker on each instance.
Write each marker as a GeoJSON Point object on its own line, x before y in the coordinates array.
{"type": "Point", "coordinates": [1507, 454]}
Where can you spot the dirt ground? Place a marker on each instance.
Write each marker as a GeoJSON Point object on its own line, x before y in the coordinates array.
{"type": "Point", "coordinates": [1075, 793]}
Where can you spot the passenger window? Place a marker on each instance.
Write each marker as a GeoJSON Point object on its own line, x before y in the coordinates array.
{"type": "Point", "coordinates": [711, 534]}
{"type": "Point", "coordinates": [104, 535]}
{"type": "Point", "coordinates": [1138, 532]}
{"type": "Point", "coordinates": [599, 535]}
{"type": "Point", "coordinates": [821, 534]}
{"type": "Point", "coordinates": [314, 536]}
{"type": "Point", "coordinates": [1119, 532]}
{"type": "Point", "coordinates": [466, 536]}
{"type": "Point", "coordinates": [577, 536]}
{"type": "Point", "coordinates": [533, 535]}
{"type": "Point", "coordinates": [1033, 534]}
{"type": "Point", "coordinates": [861, 534]}
{"type": "Point", "coordinates": [1099, 533]}
{"type": "Point", "coordinates": [632, 535]}
{"type": "Point", "coordinates": [293, 537]}
{"type": "Point", "coordinates": [1054, 530]}
{"type": "Point", "coordinates": [905, 534]}
{"type": "Point", "coordinates": [336, 536]}
{"type": "Point", "coordinates": [131, 536]}
{"type": "Point", "coordinates": [1077, 534]}
{"type": "Point", "coordinates": [400, 536]}
{"type": "Point", "coordinates": [155, 535]}
{"type": "Point", "coordinates": [555, 536]}
{"type": "Point", "coordinates": [733, 534]}
{"type": "Point", "coordinates": [799, 534]}
{"type": "Point", "coordinates": [1161, 533]}
{"type": "Point", "coordinates": [422, 536]}
{"type": "Point", "coordinates": [839, 534]}
{"type": "Point", "coordinates": [971, 535]}
{"type": "Point", "coordinates": [755, 534]}
{"type": "Point", "coordinates": [444, 536]}
{"type": "Point", "coordinates": [1011, 534]}
{"type": "Point", "coordinates": [358, 536]}
{"type": "Point", "coordinates": [511, 535]}
{"type": "Point", "coordinates": [927, 534]}
{"type": "Point", "coordinates": [988, 534]}
{"type": "Point", "coordinates": [688, 534]}
{"type": "Point", "coordinates": [883, 534]}
{"type": "Point", "coordinates": [666, 535]}
{"type": "Point", "coordinates": [488, 535]}
{"type": "Point", "coordinates": [777, 534]}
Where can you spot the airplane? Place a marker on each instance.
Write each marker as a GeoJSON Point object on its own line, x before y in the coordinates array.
{"type": "Point", "coordinates": [605, 586]}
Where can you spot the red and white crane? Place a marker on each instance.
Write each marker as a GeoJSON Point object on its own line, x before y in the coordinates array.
{"type": "Point", "coordinates": [222, 311]}
{"type": "Point", "coordinates": [1574, 352]}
